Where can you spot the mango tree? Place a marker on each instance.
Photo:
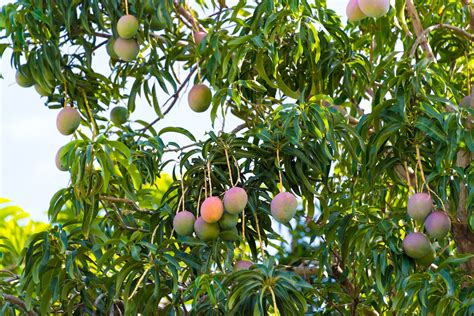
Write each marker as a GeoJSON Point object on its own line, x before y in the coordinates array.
{"type": "Point", "coordinates": [301, 207]}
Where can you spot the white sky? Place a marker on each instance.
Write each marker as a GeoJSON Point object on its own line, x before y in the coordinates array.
{"type": "Point", "coordinates": [29, 138]}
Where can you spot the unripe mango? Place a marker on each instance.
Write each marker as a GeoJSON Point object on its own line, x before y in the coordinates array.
{"type": "Point", "coordinates": [353, 11]}
{"type": "Point", "coordinates": [416, 245]}
{"type": "Point", "coordinates": [228, 221]}
{"type": "Point", "coordinates": [438, 225]}
{"type": "Point", "coordinates": [212, 209]}
{"type": "Point", "coordinates": [183, 223]}
{"type": "Point", "coordinates": [156, 24]}
{"type": "Point", "coordinates": [235, 200]}
{"type": "Point", "coordinates": [119, 115]}
{"type": "Point", "coordinates": [206, 231]}
{"type": "Point", "coordinates": [110, 48]}
{"type": "Point", "coordinates": [68, 120]}
{"type": "Point", "coordinates": [199, 36]}
{"type": "Point", "coordinates": [243, 265]}
{"type": "Point", "coordinates": [62, 166]}
{"type": "Point", "coordinates": [127, 26]}
{"type": "Point", "coordinates": [45, 92]}
{"type": "Point", "coordinates": [149, 7]}
{"type": "Point", "coordinates": [229, 234]}
{"type": "Point", "coordinates": [23, 77]}
{"type": "Point", "coordinates": [126, 49]}
{"type": "Point", "coordinates": [283, 207]}
{"type": "Point", "coordinates": [428, 259]}
{"type": "Point", "coordinates": [199, 98]}
{"type": "Point", "coordinates": [374, 8]}
{"type": "Point", "coordinates": [419, 206]}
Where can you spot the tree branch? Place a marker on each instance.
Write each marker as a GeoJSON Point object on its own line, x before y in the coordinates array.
{"type": "Point", "coordinates": [305, 271]}
{"type": "Point", "coordinates": [352, 120]}
{"type": "Point", "coordinates": [124, 200]}
{"type": "Point", "coordinates": [415, 20]}
{"type": "Point", "coordinates": [158, 37]}
{"type": "Point", "coordinates": [424, 34]}
{"type": "Point", "coordinates": [182, 148]}
{"type": "Point", "coordinates": [20, 303]}
{"type": "Point", "coordinates": [238, 128]}
{"type": "Point", "coordinates": [188, 16]}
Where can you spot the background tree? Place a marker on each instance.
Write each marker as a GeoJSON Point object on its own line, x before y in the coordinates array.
{"type": "Point", "coordinates": [352, 120]}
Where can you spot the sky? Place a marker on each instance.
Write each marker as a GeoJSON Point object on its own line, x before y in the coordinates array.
{"type": "Point", "coordinates": [29, 139]}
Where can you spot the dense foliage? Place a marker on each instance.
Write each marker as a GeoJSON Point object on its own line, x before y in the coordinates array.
{"type": "Point", "coordinates": [352, 119]}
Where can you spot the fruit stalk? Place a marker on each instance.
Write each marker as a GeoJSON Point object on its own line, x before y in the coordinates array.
{"type": "Point", "coordinates": [89, 112]}
{"type": "Point", "coordinates": [410, 188]}
{"type": "Point", "coordinates": [228, 166]}
{"type": "Point", "coordinates": [209, 176]}
{"type": "Point", "coordinates": [182, 192]}
{"type": "Point", "coordinates": [275, 308]}
{"type": "Point", "coordinates": [126, 7]}
{"type": "Point", "coordinates": [205, 183]}
{"type": "Point", "coordinates": [238, 170]}
{"type": "Point", "coordinates": [279, 170]}
{"type": "Point", "coordinates": [258, 232]}
{"type": "Point", "coordinates": [418, 159]}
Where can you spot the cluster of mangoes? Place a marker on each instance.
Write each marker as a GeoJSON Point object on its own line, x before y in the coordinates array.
{"type": "Point", "coordinates": [125, 47]}
{"type": "Point", "coordinates": [24, 79]}
{"type": "Point", "coordinates": [218, 215]}
{"type": "Point", "coordinates": [437, 225]}
{"type": "Point", "coordinates": [357, 10]}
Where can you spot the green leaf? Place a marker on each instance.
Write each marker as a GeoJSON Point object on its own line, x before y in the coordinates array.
{"type": "Point", "coordinates": [178, 130]}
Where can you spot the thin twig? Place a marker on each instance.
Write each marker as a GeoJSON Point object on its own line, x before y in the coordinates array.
{"type": "Point", "coordinates": [173, 99]}
{"type": "Point", "coordinates": [96, 302]}
{"type": "Point", "coordinates": [238, 128]}
{"type": "Point", "coordinates": [139, 282]}
{"type": "Point", "coordinates": [10, 273]}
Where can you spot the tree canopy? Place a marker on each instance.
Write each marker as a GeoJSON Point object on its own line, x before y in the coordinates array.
{"type": "Point", "coordinates": [352, 119]}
